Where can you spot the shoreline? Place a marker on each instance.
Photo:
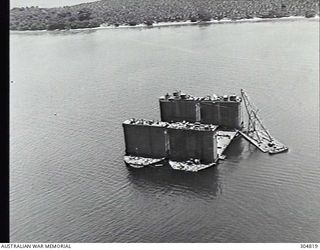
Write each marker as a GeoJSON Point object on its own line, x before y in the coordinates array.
{"type": "Point", "coordinates": [168, 24]}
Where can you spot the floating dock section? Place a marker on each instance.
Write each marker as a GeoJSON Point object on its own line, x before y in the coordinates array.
{"type": "Point", "coordinates": [224, 111]}
{"type": "Point", "coordinates": [193, 146]}
{"type": "Point", "coordinates": [221, 110]}
{"type": "Point", "coordinates": [192, 141]}
{"type": "Point", "coordinates": [145, 141]}
{"type": "Point", "coordinates": [187, 146]}
{"type": "Point", "coordinates": [179, 107]}
{"type": "Point", "coordinates": [194, 132]}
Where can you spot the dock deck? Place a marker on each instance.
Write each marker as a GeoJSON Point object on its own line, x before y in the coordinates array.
{"type": "Point", "coordinates": [265, 145]}
{"type": "Point", "coordinates": [224, 139]}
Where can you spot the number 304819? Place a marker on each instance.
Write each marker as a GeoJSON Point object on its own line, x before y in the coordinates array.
{"type": "Point", "coordinates": [309, 246]}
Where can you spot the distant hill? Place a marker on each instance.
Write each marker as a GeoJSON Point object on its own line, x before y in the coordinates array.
{"type": "Point", "coordinates": [133, 12]}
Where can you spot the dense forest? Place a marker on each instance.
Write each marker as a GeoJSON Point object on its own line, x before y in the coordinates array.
{"type": "Point", "coordinates": [133, 12]}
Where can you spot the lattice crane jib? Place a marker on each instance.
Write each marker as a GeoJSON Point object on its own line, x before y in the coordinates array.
{"type": "Point", "coordinates": [256, 132]}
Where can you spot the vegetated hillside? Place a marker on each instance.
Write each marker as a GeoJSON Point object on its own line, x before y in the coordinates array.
{"type": "Point", "coordinates": [132, 12]}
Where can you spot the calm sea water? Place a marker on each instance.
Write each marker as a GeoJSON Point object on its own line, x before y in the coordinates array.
{"type": "Point", "coordinates": [68, 179]}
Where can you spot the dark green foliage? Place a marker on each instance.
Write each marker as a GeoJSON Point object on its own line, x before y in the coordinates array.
{"type": "Point", "coordinates": [310, 13]}
{"type": "Point", "coordinates": [272, 14]}
{"type": "Point", "coordinates": [193, 19]}
{"type": "Point", "coordinates": [72, 19]}
{"type": "Point", "coordinates": [64, 14]}
{"type": "Point", "coordinates": [219, 17]}
{"type": "Point", "coordinates": [204, 15]}
{"type": "Point", "coordinates": [133, 12]}
{"type": "Point", "coordinates": [132, 23]}
{"type": "Point", "coordinates": [148, 23]}
{"type": "Point", "coordinates": [56, 26]}
{"type": "Point", "coordinates": [248, 16]}
{"type": "Point", "coordinates": [84, 14]}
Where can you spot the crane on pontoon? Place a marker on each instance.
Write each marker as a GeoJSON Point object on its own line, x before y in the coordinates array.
{"type": "Point", "coordinates": [256, 133]}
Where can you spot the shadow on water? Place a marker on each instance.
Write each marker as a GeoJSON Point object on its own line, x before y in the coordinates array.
{"type": "Point", "coordinates": [240, 149]}
{"type": "Point", "coordinates": [203, 183]}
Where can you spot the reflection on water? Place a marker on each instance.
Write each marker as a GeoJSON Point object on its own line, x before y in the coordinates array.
{"type": "Point", "coordinates": [201, 184]}
{"type": "Point", "coordinates": [205, 183]}
{"type": "Point", "coordinates": [240, 149]}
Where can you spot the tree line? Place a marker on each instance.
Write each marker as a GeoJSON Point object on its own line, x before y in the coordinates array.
{"type": "Point", "coordinates": [133, 12]}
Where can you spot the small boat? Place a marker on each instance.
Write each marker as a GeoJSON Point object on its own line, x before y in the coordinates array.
{"type": "Point", "coordinates": [140, 162]}
{"type": "Point", "coordinates": [192, 165]}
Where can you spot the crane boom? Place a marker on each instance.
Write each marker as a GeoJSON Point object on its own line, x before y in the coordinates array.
{"type": "Point", "coordinates": [256, 133]}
